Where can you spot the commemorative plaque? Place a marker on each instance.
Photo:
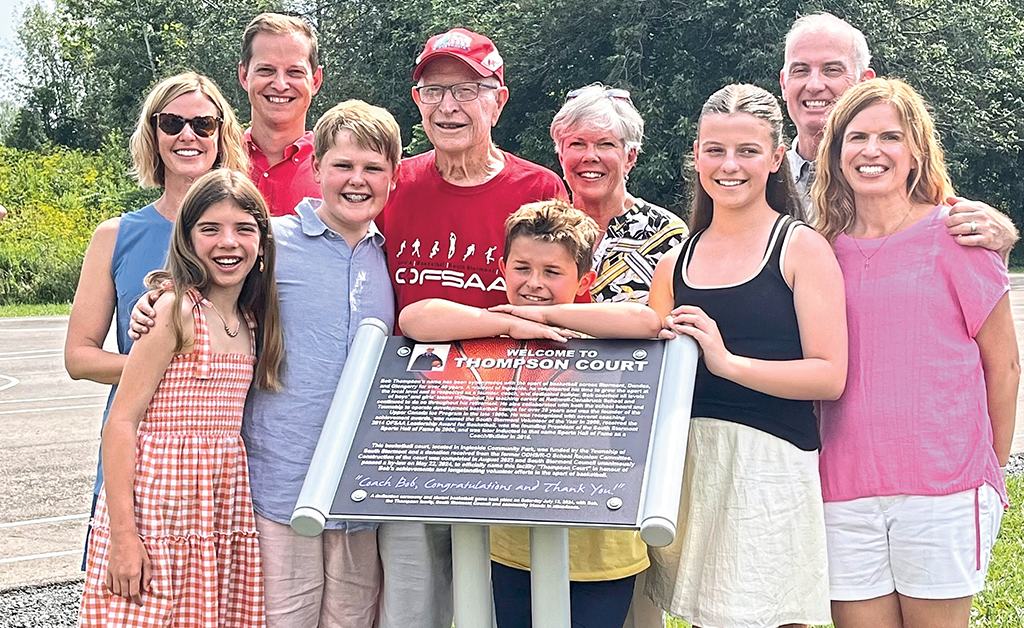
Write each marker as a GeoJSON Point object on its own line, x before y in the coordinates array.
{"type": "Point", "coordinates": [548, 435]}
{"type": "Point", "coordinates": [504, 431]}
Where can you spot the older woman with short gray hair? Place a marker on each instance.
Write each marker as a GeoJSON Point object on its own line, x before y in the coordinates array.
{"type": "Point", "coordinates": [598, 134]}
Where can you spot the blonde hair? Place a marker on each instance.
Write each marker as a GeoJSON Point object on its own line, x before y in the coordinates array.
{"type": "Point", "coordinates": [259, 295]}
{"type": "Point", "coordinates": [148, 165]}
{"type": "Point", "coordinates": [374, 128]}
{"type": "Point", "coordinates": [555, 221]}
{"type": "Point", "coordinates": [278, 24]}
{"type": "Point", "coordinates": [928, 182]}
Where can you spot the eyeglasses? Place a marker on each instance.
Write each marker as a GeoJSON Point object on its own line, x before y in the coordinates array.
{"type": "Point", "coordinates": [462, 92]}
{"type": "Point", "coordinates": [172, 124]}
{"type": "Point", "coordinates": [610, 92]}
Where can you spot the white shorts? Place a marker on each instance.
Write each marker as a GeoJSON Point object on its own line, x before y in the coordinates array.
{"type": "Point", "coordinates": [927, 547]}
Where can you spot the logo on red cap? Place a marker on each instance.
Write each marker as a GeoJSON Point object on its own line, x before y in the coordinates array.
{"type": "Point", "coordinates": [453, 40]}
{"type": "Point", "coordinates": [492, 61]}
{"type": "Point", "coordinates": [476, 50]}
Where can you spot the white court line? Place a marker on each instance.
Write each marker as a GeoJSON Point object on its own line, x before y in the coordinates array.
{"type": "Point", "coordinates": [50, 317]}
{"type": "Point", "coordinates": [18, 559]}
{"type": "Point", "coordinates": [102, 405]}
{"type": "Point", "coordinates": [29, 357]}
{"type": "Point", "coordinates": [32, 329]}
{"type": "Point", "coordinates": [32, 522]}
{"type": "Point", "coordinates": [11, 382]}
{"type": "Point", "coordinates": [28, 352]}
{"type": "Point", "coordinates": [50, 398]}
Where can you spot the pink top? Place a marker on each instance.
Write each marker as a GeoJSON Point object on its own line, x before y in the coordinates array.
{"type": "Point", "coordinates": [914, 417]}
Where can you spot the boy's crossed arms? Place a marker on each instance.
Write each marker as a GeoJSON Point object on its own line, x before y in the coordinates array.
{"type": "Point", "coordinates": [548, 253]}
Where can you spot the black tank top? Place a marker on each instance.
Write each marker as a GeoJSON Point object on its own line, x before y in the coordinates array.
{"type": "Point", "coordinates": [757, 319]}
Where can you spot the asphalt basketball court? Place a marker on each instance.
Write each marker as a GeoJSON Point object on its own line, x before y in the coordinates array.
{"type": "Point", "coordinates": [49, 432]}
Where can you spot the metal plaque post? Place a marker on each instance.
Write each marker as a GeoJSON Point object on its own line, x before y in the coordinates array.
{"type": "Point", "coordinates": [549, 577]}
{"type": "Point", "coordinates": [549, 545]}
{"type": "Point", "coordinates": [471, 576]}
{"type": "Point", "coordinates": [669, 434]}
{"type": "Point", "coordinates": [317, 494]}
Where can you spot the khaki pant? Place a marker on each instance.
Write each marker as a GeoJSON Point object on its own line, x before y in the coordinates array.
{"type": "Point", "coordinates": [329, 581]}
{"type": "Point", "coordinates": [417, 560]}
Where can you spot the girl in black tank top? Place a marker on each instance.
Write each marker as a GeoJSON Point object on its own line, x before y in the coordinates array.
{"type": "Point", "coordinates": [762, 294]}
{"type": "Point", "coordinates": [760, 291]}
{"type": "Point", "coordinates": [759, 319]}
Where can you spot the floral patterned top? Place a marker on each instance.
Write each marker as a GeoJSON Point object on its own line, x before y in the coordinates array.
{"type": "Point", "coordinates": [630, 250]}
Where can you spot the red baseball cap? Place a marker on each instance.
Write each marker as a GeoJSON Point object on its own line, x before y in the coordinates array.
{"type": "Point", "coordinates": [473, 49]}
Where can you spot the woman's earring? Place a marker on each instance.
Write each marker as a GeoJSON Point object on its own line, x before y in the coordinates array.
{"type": "Point", "coordinates": [261, 263]}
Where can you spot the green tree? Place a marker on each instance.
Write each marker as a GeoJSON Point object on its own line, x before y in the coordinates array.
{"type": "Point", "coordinates": [56, 50]}
{"type": "Point", "coordinates": [97, 58]}
{"type": "Point", "coordinates": [90, 62]}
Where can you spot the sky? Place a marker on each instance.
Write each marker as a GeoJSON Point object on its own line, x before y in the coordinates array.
{"type": "Point", "coordinates": [10, 11]}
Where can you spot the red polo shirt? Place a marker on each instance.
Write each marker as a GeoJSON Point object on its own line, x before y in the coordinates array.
{"type": "Point", "coordinates": [287, 182]}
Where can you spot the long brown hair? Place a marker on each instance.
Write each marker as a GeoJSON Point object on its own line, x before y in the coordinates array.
{"type": "Point", "coordinates": [928, 182]}
{"type": "Point", "coordinates": [259, 291]}
{"type": "Point", "coordinates": [750, 99]}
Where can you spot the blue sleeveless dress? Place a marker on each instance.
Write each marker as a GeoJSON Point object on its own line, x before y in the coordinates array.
{"type": "Point", "coordinates": [143, 238]}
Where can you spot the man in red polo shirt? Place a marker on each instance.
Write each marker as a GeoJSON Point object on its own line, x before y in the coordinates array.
{"type": "Point", "coordinates": [280, 71]}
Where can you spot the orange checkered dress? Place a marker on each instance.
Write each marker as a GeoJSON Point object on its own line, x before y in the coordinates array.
{"type": "Point", "coordinates": [193, 509]}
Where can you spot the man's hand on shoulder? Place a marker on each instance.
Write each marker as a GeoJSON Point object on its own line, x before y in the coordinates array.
{"type": "Point", "coordinates": [974, 223]}
{"type": "Point", "coordinates": [144, 314]}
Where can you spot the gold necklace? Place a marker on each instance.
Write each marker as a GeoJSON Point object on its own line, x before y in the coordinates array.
{"type": "Point", "coordinates": [227, 329]}
{"type": "Point", "coordinates": [867, 258]}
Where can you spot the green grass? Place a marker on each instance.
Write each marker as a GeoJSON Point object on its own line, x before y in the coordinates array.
{"type": "Point", "coordinates": [1001, 604]}
{"type": "Point", "coordinates": [55, 199]}
{"type": "Point", "coordinates": [45, 309]}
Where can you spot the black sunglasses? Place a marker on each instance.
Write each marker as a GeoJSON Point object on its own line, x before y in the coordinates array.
{"type": "Point", "coordinates": [172, 124]}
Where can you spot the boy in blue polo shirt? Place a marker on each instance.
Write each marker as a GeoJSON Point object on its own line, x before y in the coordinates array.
{"type": "Point", "coordinates": [331, 273]}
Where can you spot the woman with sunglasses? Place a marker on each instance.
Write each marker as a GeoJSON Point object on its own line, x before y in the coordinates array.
{"type": "Point", "coordinates": [597, 134]}
{"type": "Point", "coordinates": [186, 129]}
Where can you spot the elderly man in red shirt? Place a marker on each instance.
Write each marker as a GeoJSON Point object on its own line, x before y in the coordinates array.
{"type": "Point", "coordinates": [445, 230]}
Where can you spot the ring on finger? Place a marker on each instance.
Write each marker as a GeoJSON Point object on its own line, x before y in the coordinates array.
{"type": "Point", "coordinates": [974, 227]}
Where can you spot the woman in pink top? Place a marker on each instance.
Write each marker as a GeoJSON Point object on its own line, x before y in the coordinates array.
{"type": "Point", "coordinates": [911, 453]}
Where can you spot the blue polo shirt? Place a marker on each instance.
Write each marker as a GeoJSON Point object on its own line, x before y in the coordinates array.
{"type": "Point", "coordinates": [326, 288]}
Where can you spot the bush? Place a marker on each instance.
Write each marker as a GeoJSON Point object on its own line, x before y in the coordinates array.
{"type": "Point", "coordinates": [55, 199]}
{"type": "Point", "coordinates": [39, 273]}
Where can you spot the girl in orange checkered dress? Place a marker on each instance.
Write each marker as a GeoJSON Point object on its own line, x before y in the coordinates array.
{"type": "Point", "coordinates": [174, 540]}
